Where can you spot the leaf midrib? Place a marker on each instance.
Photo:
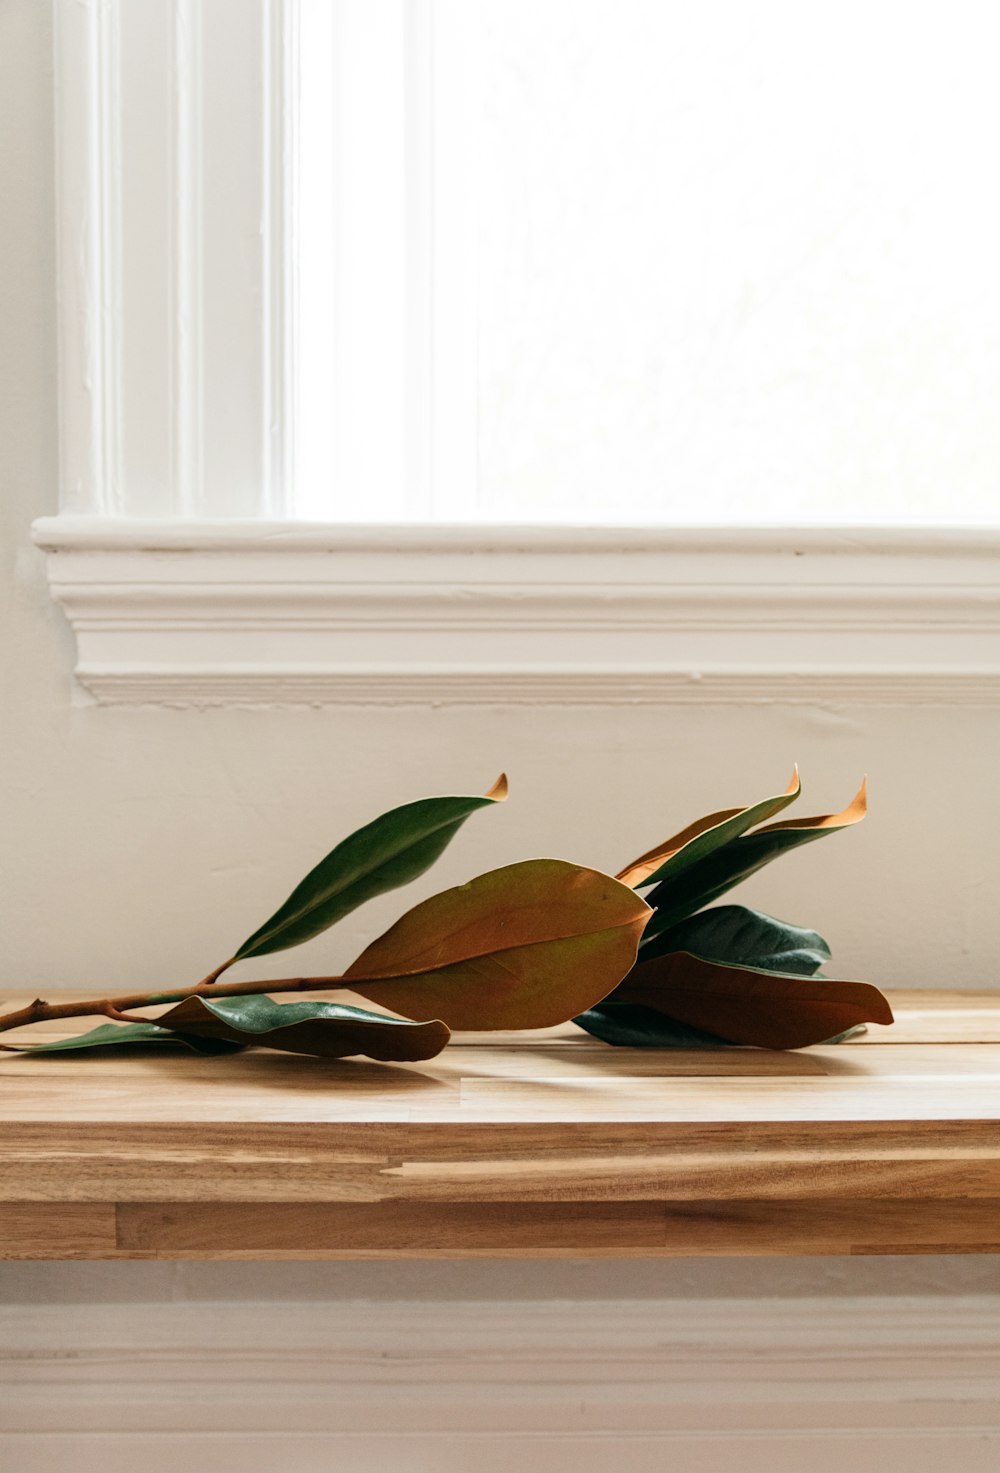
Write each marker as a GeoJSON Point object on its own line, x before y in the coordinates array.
{"type": "Point", "coordinates": [472, 956]}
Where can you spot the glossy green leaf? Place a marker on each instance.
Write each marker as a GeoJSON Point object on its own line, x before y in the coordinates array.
{"type": "Point", "coordinates": [525, 946]}
{"type": "Point", "coordinates": [749, 1005]}
{"type": "Point", "coordinates": [679, 895]}
{"type": "Point", "coordinates": [629, 1025]}
{"type": "Point", "coordinates": [703, 837]}
{"type": "Point", "coordinates": [131, 1035]}
{"type": "Point", "coordinates": [748, 938]}
{"type": "Point", "coordinates": [332, 1030]}
{"type": "Point", "coordinates": [387, 853]}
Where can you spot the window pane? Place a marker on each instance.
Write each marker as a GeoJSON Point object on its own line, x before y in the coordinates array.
{"type": "Point", "coordinates": [648, 261]}
{"type": "Point", "coordinates": [738, 262]}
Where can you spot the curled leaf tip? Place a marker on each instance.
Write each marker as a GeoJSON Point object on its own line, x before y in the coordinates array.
{"type": "Point", "coordinates": [704, 837]}
{"type": "Point", "coordinates": [853, 813]}
{"type": "Point", "coordinates": [499, 790]}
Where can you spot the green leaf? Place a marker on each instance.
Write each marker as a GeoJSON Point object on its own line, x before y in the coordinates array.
{"type": "Point", "coordinates": [332, 1030]}
{"type": "Point", "coordinates": [703, 837]}
{"type": "Point", "coordinates": [391, 851]}
{"type": "Point", "coordinates": [750, 1005]}
{"type": "Point", "coordinates": [143, 1035]}
{"type": "Point", "coordinates": [525, 946]}
{"type": "Point", "coordinates": [228, 1025]}
{"type": "Point", "coordinates": [679, 895]}
{"type": "Point", "coordinates": [630, 1025]}
{"type": "Point", "coordinates": [735, 933]}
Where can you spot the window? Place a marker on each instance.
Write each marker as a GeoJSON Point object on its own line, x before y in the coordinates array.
{"type": "Point", "coordinates": [539, 267]}
{"type": "Point", "coordinates": [666, 262]}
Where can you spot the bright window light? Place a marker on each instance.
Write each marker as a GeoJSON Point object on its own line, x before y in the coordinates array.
{"type": "Point", "coordinates": [709, 263]}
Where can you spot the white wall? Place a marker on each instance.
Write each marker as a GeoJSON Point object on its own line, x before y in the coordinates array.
{"type": "Point", "coordinates": [141, 844]}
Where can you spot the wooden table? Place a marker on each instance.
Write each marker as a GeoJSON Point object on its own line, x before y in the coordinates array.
{"type": "Point", "coordinates": [540, 1145]}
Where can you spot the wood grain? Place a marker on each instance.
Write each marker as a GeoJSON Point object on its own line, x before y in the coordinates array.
{"type": "Point", "coordinates": [559, 1229]}
{"type": "Point", "coordinates": [68, 1229]}
{"type": "Point", "coordinates": [548, 1144]}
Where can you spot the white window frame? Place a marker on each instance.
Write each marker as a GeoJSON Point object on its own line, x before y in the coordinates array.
{"type": "Point", "coordinates": [172, 554]}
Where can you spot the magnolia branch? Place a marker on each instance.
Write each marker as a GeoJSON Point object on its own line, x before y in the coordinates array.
{"type": "Point", "coordinates": [117, 1008]}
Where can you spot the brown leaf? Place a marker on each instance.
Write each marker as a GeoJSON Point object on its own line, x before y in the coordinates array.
{"type": "Point", "coordinates": [525, 946]}
{"type": "Point", "coordinates": [853, 813]}
{"type": "Point", "coordinates": [749, 1006]}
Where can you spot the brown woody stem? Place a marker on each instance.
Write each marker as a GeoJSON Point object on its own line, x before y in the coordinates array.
{"type": "Point", "coordinates": [113, 1007]}
{"type": "Point", "coordinates": [214, 976]}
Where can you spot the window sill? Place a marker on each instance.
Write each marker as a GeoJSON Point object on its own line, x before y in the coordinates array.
{"type": "Point", "coordinates": [226, 612]}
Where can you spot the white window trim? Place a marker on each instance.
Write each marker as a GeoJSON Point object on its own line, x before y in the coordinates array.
{"type": "Point", "coordinates": [216, 612]}
{"type": "Point", "coordinates": [179, 591]}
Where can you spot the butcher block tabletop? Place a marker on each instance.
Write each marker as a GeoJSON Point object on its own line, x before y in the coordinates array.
{"type": "Point", "coordinates": [548, 1144]}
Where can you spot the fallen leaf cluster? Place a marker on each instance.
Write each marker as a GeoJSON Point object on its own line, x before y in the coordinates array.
{"type": "Point", "coordinates": [641, 959]}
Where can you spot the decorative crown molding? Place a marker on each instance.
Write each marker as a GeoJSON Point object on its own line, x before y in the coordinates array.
{"type": "Point", "coordinates": [203, 613]}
